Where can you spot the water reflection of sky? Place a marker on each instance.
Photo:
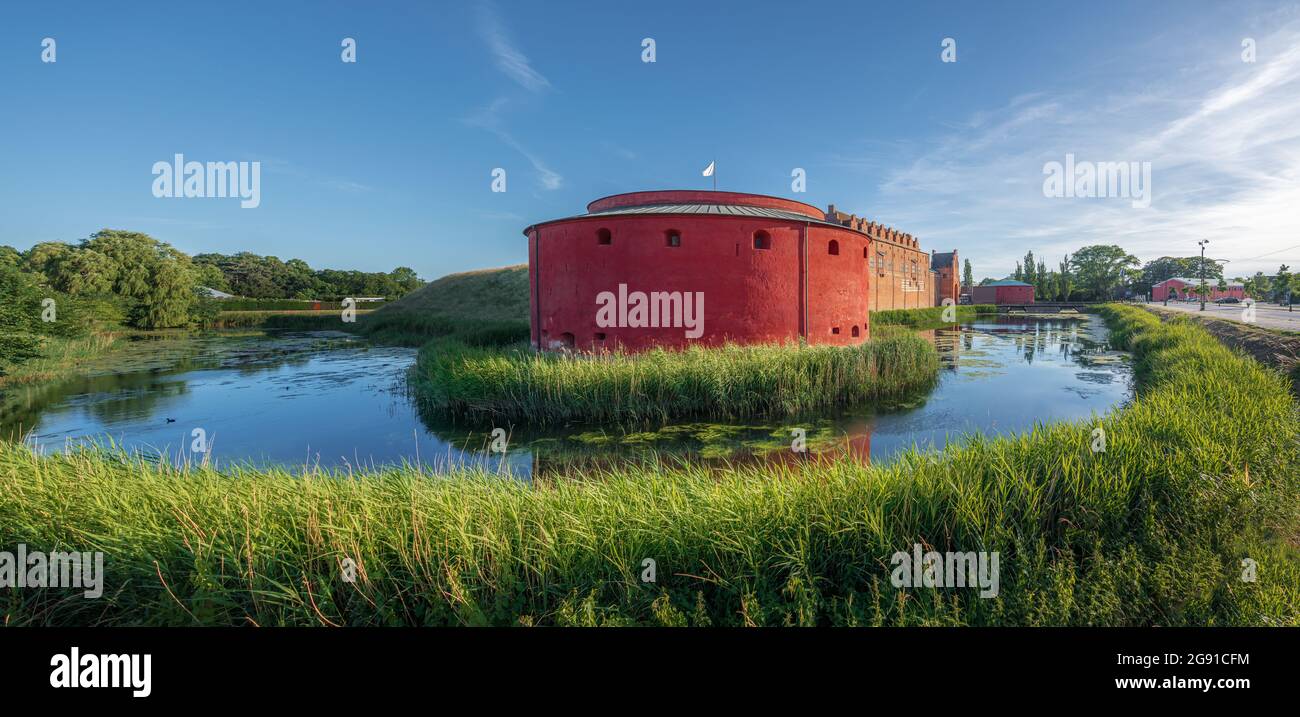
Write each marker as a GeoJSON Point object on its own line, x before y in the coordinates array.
{"type": "Point", "coordinates": [338, 403]}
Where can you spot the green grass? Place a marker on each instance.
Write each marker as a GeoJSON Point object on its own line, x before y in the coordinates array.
{"type": "Point", "coordinates": [325, 319]}
{"type": "Point", "coordinates": [60, 358]}
{"type": "Point", "coordinates": [928, 318]}
{"type": "Point", "coordinates": [1200, 472]}
{"type": "Point", "coordinates": [479, 308]}
{"type": "Point", "coordinates": [454, 381]}
{"type": "Point", "coordinates": [489, 306]}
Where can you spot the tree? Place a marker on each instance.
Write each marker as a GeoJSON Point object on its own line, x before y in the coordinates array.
{"type": "Point", "coordinates": [158, 280]}
{"type": "Point", "coordinates": [266, 277]}
{"type": "Point", "coordinates": [1281, 284]}
{"type": "Point", "coordinates": [42, 258]}
{"type": "Point", "coordinates": [967, 276]}
{"type": "Point", "coordinates": [1259, 287]}
{"type": "Point", "coordinates": [9, 256]}
{"type": "Point", "coordinates": [407, 280]}
{"type": "Point", "coordinates": [1065, 280]}
{"type": "Point", "coordinates": [1020, 273]}
{"type": "Point", "coordinates": [1102, 269]}
{"type": "Point", "coordinates": [210, 275]}
{"type": "Point", "coordinates": [23, 318]}
{"type": "Point", "coordinates": [1041, 279]}
{"type": "Point", "coordinates": [83, 271]}
{"type": "Point", "coordinates": [1030, 269]}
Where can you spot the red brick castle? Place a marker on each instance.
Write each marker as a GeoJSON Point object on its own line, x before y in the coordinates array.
{"type": "Point", "coordinates": [673, 268]}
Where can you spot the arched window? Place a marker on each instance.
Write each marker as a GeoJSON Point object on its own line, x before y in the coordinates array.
{"type": "Point", "coordinates": [603, 236]}
{"type": "Point", "coordinates": [855, 332]}
{"type": "Point", "coordinates": [833, 248]}
{"type": "Point", "coordinates": [866, 253]}
{"type": "Point", "coordinates": [762, 240]}
{"type": "Point", "coordinates": [672, 237]}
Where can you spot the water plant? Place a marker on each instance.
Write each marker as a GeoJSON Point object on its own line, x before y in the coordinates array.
{"type": "Point", "coordinates": [453, 380]}
{"type": "Point", "coordinates": [1200, 473]}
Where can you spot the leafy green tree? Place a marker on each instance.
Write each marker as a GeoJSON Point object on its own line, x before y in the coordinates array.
{"type": "Point", "coordinates": [1030, 269]}
{"type": "Point", "coordinates": [157, 279]}
{"type": "Point", "coordinates": [1281, 284]}
{"type": "Point", "coordinates": [1102, 269]}
{"type": "Point", "coordinates": [967, 276]}
{"type": "Point", "coordinates": [1064, 280]}
{"type": "Point", "coordinates": [43, 258]}
{"type": "Point", "coordinates": [406, 280]}
{"type": "Point", "coordinates": [29, 312]}
{"type": "Point", "coordinates": [20, 312]}
{"type": "Point", "coordinates": [9, 256]}
{"type": "Point", "coordinates": [83, 271]}
{"type": "Point", "coordinates": [210, 275]}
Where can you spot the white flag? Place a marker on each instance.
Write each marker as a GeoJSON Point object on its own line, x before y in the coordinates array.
{"type": "Point", "coordinates": [708, 171]}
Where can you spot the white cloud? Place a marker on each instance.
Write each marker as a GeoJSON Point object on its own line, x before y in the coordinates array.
{"type": "Point", "coordinates": [1224, 144]}
{"type": "Point", "coordinates": [489, 118]}
{"type": "Point", "coordinates": [508, 59]}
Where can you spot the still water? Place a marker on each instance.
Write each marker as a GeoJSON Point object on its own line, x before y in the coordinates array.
{"type": "Point", "coordinates": [297, 399]}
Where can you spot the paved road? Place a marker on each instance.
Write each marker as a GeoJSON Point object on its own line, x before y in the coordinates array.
{"type": "Point", "coordinates": [1269, 316]}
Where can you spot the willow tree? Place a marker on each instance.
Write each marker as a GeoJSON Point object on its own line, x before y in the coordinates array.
{"type": "Point", "coordinates": [157, 279]}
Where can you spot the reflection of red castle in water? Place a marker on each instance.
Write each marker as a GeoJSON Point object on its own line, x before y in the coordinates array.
{"type": "Point", "coordinates": [670, 268]}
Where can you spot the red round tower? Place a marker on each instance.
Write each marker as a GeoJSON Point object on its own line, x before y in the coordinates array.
{"type": "Point", "coordinates": [674, 268]}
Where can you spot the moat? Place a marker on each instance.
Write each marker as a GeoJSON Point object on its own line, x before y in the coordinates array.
{"type": "Point", "coordinates": [332, 400]}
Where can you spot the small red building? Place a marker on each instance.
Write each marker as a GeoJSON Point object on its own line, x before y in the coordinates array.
{"type": "Point", "coordinates": [1007, 291]}
{"type": "Point", "coordinates": [681, 267]}
{"type": "Point", "coordinates": [1180, 288]}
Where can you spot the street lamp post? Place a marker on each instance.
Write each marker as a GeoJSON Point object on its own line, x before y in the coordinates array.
{"type": "Point", "coordinates": [1202, 243]}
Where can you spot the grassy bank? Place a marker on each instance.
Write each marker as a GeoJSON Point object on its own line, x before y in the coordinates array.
{"type": "Point", "coordinates": [279, 319]}
{"type": "Point", "coordinates": [1199, 473]}
{"type": "Point", "coordinates": [455, 381]}
{"type": "Point", "coordinates": [930, 317]}
{"type": "Point", "coordinates": [1272, 347]}
{"type": "Point", "coordinates": [60, 358]}
{"type": "Point", "coordinates": [487, 307]}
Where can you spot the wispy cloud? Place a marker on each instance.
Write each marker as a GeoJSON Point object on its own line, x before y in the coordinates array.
{"type": "Point", "coordinates": [277, 165]}
{"type": "Point", "coordinates": [1224, 145]}
{"type": "Point", "coordinates": [489, 118]}
{"type": "Point", "coordinates": [618, 150]}
{"type": "Point", "coordinates": [515, 65]}
{"type": "Point", "coordinates": [507, 57]}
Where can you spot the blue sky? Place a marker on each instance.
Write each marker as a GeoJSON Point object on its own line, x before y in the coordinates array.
{"type": "Point", "coordinates": [388, 161]}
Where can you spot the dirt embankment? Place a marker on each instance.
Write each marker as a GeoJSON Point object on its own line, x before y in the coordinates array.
{"type": "Point", "coordinates": [1278, 349]}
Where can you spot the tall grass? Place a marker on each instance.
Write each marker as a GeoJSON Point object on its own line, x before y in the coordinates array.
{"type": "Point", "coordinates": [1199, 472]}
{"type": "Point", "coordinates": [452, 380]}
{"type": "Point", "coordinates": [930, 317]}
{"type": "Point", "coordinates": [487, 307]}
{"type": "Point", "coordinates": [324, 320]}
{"type": "Point", "coordinates": [60, 357]}
{"type": "Point", "coordinates": [415, 329]}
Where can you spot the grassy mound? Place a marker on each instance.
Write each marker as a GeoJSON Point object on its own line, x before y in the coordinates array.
{"type": "Point", "coordinates": [520, 386]}
{"type": "Point", "coordinates": [1199, 473]}
{"type": "Point", "coordinates": [484, 307]}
